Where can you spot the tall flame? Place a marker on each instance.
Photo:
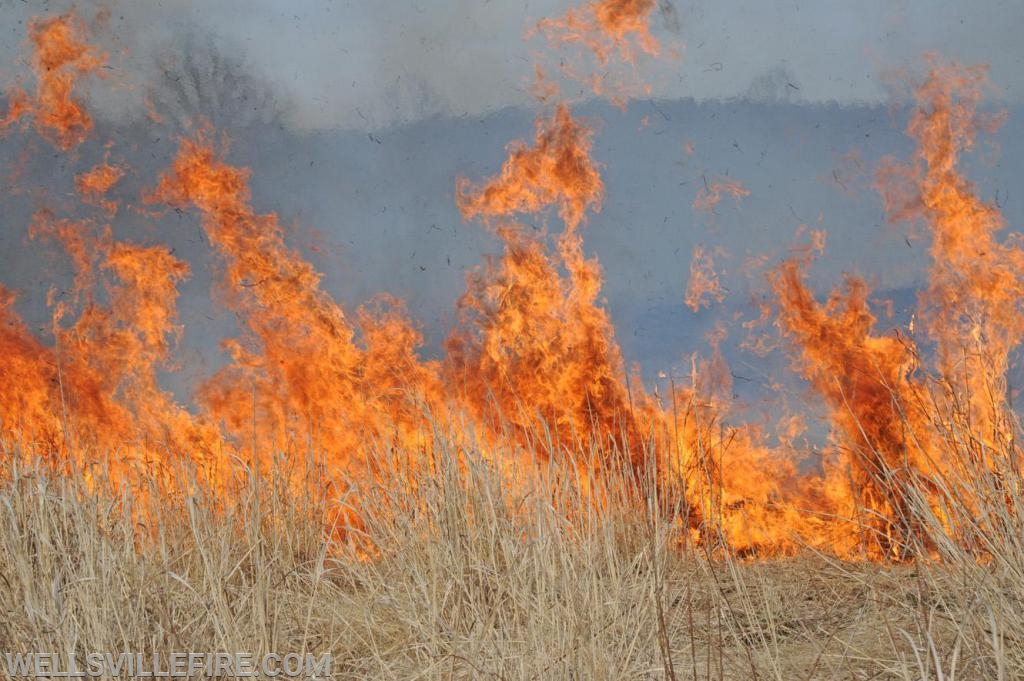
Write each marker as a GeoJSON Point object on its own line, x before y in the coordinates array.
{"type": "Point", "coordinates": [533, 364]}
{"type": "Point", "coordinates": [868, 383]}
{"type": "Point", "coordinates": [302, 377]}
{"type": "Point", "coordinates": [534, 346]}
{"type": "Point", "coordinates": [972, 306]}
{"type": "Point", "coordinates": [893, 428]}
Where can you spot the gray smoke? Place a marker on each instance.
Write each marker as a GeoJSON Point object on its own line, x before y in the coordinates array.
{"type": "Point", "coordinates": [358, 118]}
{"type": "Point", "coordinates": [369, 65]}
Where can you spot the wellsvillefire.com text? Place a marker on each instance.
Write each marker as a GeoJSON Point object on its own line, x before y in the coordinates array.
{"type": "Point", "coordinates": [171, 666]}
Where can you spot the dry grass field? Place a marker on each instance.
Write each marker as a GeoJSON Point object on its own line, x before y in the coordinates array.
{"type": "Point", "coordinates": [440, 517]}
{"type": "Point", "coordinates": [465, 576]}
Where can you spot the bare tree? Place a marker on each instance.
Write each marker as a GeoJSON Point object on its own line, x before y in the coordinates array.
{"type": "Point", "coordinates": [199, 81]}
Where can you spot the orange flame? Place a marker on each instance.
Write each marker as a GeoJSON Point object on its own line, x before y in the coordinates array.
{"type": "Point", "coordinates": [93, 185]}
{"type": "Point", "coordinates": [61, 57]}
{"type": "Point", "coordinates": [606, 27]}
{"type": "Point", "coordinates": [868, 383]}
{"type": "Point", "coordinates": [534, 347]}
{"type": "Point", "coordinates": [96, 394]}
{"type": "Point", "coordinates": [303, 374]}
{"type": "Point", "coordinates": [556, 171]}
{"type": "Point", "coordinates": [27, 373]}
{"type": "Point", "coordinates": [972, 305]}
{"type": "Point", "coordinates": [711, 194]}
{"type": "Point", "coordinates": [704, 282]}
{"type": "Point", "coordinates": [533, 363]}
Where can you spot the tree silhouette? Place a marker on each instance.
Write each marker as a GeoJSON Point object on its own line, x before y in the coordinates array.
{"type": "Point", "coordinates": [199, 82]}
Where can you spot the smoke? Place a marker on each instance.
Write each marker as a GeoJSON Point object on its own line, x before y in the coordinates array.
{"type": "Point", "coordinates": [535, 334]}
{"type": "Point", "coordinates": [198, 82]}
{"type": "Point", "coordinates": [369, 66]}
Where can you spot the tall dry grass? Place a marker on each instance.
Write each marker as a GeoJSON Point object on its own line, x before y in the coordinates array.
{"type": "Point", "coordinates": [457, 570]}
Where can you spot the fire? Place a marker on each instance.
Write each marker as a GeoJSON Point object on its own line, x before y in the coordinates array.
{"type": "Point", "coordinates": [556, 171]}
{"type": "Point", "coordinates": [533, 366]}
{"type": "Point", "coordinates": [607, 28]}
{"type": "Point", "coordinates": [96, 391]}
{"type": "Point", "coordinates": [972, 304]}
{"type": "Point", "coordinates": [93, 185]}
{"type": "Point", "coordinates": [534, 347]}
{"type": "Point", "coordinates": [302, 376]}
{"type": "Point", "coordinates": [868, 383]}
{"type": "Point", "coordinates": [893, 432]}
{"type": "Point", "coordinates": [711, 194]}
{"type": "Point", "coordinates": [606, 31]}
{"type": "Point", "coordinates": [704, 282]}
{"type": "Point", "coordinates": [30, 419]}
{"type": "Point", "coordinates": [61, 57]}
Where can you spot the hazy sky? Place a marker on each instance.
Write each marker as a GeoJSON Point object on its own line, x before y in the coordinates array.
{"type": "Point", "coordinates": [380, 206]}
{"type": "Point", "coordinates": [368, 63]}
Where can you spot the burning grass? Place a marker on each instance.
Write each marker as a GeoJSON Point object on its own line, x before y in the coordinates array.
{"type": "Point", "coordinates": [532, 370]}
{"type": "Point", "coordinates": [522, 506]}
{"type": "Point", "coordinates": [464, 576]}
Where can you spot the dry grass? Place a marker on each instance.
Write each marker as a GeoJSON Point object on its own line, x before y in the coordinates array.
{"type": "Point", "coordinates": [468, 577]}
